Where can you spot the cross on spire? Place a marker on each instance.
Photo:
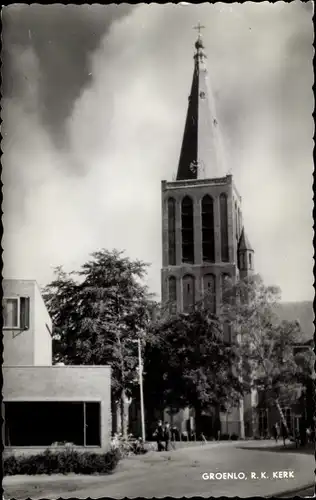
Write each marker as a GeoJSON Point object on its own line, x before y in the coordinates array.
{"type": "Point", "coordinates": [199, 27]}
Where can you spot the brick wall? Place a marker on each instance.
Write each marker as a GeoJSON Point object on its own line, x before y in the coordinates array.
{"type": "Point", "coordinates": [197, 189]}
{"type": "Point", "coordinates": [42, 331]}
{"type": "Point", "coordinates": [62, 383]}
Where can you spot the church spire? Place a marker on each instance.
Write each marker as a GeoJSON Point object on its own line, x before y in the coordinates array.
{"type": "Point", "coordinates": [201, 153]}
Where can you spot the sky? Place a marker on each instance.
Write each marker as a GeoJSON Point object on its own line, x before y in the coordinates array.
{"type": "Point", "coordinates": [93, 109]}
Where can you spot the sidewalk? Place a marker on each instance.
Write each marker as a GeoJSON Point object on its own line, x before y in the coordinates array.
{"type": "Point", "coordinates": [177, 473]}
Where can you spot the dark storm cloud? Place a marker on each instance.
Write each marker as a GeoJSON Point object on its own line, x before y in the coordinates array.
{"type": "Point", "coordinates": [124, 124]}
{"type": "Point", "coordinates": [62, 38]}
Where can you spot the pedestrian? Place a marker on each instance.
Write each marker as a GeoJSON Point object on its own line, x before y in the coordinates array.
{"type": "Point", "coordinates": [159, 435]}
{"type": "Point", "coordinates": [276, 432]}
{"type": "Point", "coordinates": [302, 431]}
{"type": "Point", "coordinates": [174, 433]}
{"type": "Point", "coordinates": [167, 435]}
{"type": "Point", "coordinates": [283, 432]}
{"type": "Point", "coordinates": [297, 438]}
{"type": "Point", "coordinates": [308, 434]}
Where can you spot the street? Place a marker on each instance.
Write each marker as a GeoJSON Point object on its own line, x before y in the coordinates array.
{"type": "Point", "coordinates": [260, 468]}
{"type": "Point", "coordinates": [305, 493]}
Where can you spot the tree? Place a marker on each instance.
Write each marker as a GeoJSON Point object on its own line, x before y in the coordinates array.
{"type": "Point", "coordinates": [305, 360]}
{"type": "Point", "coordinates": [188, 364]}
{"type": "Point", "coordinates": [266, 342]}
{"type": "Point", "coordinates": [96, 312]}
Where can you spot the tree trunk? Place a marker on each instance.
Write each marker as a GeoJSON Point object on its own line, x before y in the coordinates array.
{"type": "Point", "coordinates": [282, 415]}
{"type": "Point", "coordinates": [241, 419]}
{"type": "Point", "coordinates": [124, 414]}
{"type": "Point", "coordinates": [198, 421]}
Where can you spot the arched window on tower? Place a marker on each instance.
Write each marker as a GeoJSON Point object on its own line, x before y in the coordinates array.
{"type": "Point", "coordinates": [171, 232]}
{"type": "Point", "coordinates": [241, 260]}
{"type": "Point", "coordinates": [188, 292]}
{"type": "Point", "coordinates": [172, 294]}
{"type": "Point", "coordinates": [250, 261]}
{"type": "Point", "coordinates": [236, 221]}
{"type": "Point", "coordinates": [209, 290]}
{"type": "Point", "coordinates": [187, 228]}
{"type": "Point", "coordinates": [208, 239]}
{"type": "Point", "coordinates": [224, 227]}
{"type": "Point", "coordinates": [239, 223]}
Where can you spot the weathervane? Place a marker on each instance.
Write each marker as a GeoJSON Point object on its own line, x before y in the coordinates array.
{"type": "Point", "coordinates": [199, 27]}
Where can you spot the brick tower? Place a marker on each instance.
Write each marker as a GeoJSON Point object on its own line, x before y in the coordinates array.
{"type": "Point", "coordinates": [203, 240]}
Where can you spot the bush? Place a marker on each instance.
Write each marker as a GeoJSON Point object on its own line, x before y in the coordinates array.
{"type": "Point", "coordinates": [62, 462]}
{"type": "Point", "coordinates": [234, 437]}
{"type": "Point", "coordinates": [128, 446]}
{"type": "Point", "coordinates": [224, 437]}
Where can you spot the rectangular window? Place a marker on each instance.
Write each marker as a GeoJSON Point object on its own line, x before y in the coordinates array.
{"type": "Point", "coordinates": [45, 423]}
{"type": "Point", "coordinates": [11, 313]}
{"type": "Point", "coordinates": [16, 312]}
{"type": "Point", "coordinates": [93, 419]}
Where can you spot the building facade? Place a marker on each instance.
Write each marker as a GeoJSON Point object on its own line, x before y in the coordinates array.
{"type": "Point", "coordinates": [46, 405]}
{"type": "Point", "coordinates": [203, 237]}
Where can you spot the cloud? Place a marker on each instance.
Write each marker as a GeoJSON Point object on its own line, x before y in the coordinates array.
{"type": "Point", "coordinates": [122, 121]}
{"type": "Point", "coordinates": [62, 37]}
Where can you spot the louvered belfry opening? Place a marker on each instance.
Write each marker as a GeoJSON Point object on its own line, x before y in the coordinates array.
{"type": "Point", "coordinates": [172, 232]}
{"type": "Point", "coordinates": [224, 227]}
{"type": "Point", "coordinates": [187, 230]}
{"type": "Point", "coordinates": [208, 238]}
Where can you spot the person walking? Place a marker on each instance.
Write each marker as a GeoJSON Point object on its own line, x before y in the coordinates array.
{"type": "Point", "coordinates": [167, 435]}
{"type": "Point", "coordinates": [159, 434]}
{"type": "Point", "coordinates": [276, 432]}
{"type": "Point", "coordinates": [283, 432]}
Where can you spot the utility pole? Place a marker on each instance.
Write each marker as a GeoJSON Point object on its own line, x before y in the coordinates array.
{"type": "Point", "coordinates": [140, 380]}
{"type": "Point", "coordinates": [142, 411]}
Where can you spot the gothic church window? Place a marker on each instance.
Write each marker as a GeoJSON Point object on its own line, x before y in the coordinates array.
{"type": "Point", "coordinates": [239, 223]}
{"type": "Point", "coordinates": [209, 290]}
{"type": "Point", "coordinates": [187, 229]}
{"type": "Point", "coordinates": [208, 239]}
{"type": "Point", "coordinates": [172, 294]}
{"type": "Point", "coordinates": [172, 232]}
{"type": "Point", "coordinates": [224, 227]}
{"type": "Point", "coordinates": [250, 261]}
{"type": "Point", "coordinates": [242, 261]}
{"type": "Point", "coordinates": [188, 292]}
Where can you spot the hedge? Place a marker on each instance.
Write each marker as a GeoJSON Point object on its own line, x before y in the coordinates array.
{"type": "Point", "coordinates": [62, 462]}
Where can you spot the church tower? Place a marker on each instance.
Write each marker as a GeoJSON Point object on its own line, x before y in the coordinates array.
{"type": "Point", "coordinates": [203, 241]}
{"type": "Point", "coordinates": [203, 238]}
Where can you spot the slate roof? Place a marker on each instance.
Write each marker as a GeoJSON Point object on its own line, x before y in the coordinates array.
{"type": "Point", "coordinates": [244, 243]}
{"type": "Point", "coordinates": [201, 155]}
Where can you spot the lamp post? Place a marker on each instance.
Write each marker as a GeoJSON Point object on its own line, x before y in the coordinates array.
{"type": "Point", "coordinates": [140, 364]}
